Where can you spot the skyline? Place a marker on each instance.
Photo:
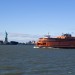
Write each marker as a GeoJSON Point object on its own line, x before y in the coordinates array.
{"type": "Point", "coordinates": [36, 17]}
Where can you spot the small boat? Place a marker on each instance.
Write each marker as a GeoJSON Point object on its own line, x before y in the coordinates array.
{"type": "Point", "coordinates": [35, 47]}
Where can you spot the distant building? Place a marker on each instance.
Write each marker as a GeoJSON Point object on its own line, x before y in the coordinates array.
{"type": "Point", "coordinates": [30, 43]}
{"type": "Point", "coordinates": [33, 42]}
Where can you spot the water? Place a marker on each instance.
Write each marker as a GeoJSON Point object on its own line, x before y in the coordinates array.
{"type": "Point", "coordinates": [26, 60]}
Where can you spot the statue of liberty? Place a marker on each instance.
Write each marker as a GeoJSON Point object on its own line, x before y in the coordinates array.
{"type": "Point", "coordinates": [6, 37]}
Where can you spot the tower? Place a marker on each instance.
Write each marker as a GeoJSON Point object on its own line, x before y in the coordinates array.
{"type": "Point", "coordinates": [6, 37]}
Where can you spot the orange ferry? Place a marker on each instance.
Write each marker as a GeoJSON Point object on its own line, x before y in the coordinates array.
{"type": "Point", "coordinates": [63, 41]}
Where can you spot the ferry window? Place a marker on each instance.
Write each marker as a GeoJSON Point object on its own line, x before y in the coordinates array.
{"type": "Point", "coordinates": [44, 43]}
{"type": "Point", "coordinates": [38, 43]}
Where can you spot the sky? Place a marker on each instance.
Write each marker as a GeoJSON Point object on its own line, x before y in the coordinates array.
{"type": "Point", "coordinates": [29, 19]}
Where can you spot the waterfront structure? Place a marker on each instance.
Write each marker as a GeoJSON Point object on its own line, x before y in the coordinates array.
{"type": "Point", "coordinates": [13, 43]}
{"type": "Point", "coordinates": [63, 41]}
{"type": "Point", "coordinates": [1, 42]}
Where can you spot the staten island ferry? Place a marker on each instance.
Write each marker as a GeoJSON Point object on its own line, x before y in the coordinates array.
{"type": "Point", "coordinates": [63, 41]}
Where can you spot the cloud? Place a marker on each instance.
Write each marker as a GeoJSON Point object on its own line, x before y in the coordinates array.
{"type": "Point", "coordinates": [20, 37]}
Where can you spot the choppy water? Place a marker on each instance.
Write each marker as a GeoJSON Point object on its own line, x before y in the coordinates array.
{"type": "Point", "coordinates": [25, 60]}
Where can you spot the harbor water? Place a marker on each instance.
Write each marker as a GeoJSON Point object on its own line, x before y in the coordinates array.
{"type": "Point", "coordinates": [26, 60]}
